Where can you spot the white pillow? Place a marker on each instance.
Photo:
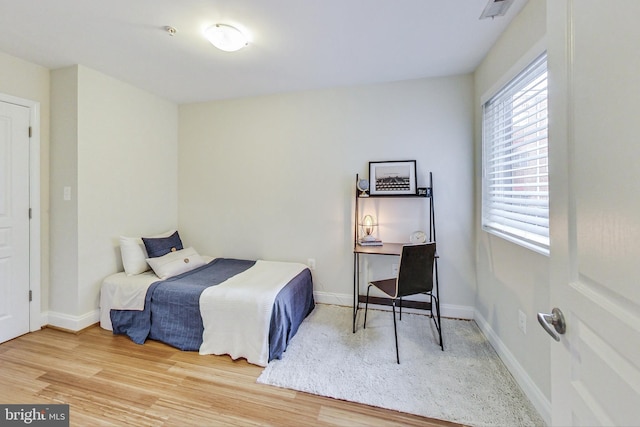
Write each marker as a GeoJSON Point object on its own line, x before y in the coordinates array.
{"type": "Point", "coordinates": [134, 254]}
{"type": "Point", "coordinates": [175, 263]}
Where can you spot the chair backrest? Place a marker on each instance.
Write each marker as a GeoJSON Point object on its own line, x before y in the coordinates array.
{"type": "Point", "coordinates": [415, 274]}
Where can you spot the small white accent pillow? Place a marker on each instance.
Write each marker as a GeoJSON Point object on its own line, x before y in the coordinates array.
{"type": "Point", "coordinates": [134, 254]}
{"type": "Point", "coordinates": [175, 263]}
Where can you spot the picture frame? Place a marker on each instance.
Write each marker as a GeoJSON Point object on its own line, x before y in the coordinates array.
{"type": "Point", "coordinates": [392, 178]}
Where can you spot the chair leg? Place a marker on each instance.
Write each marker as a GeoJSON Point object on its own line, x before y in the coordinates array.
{"type": "Point", "coordinates": [395, 328]}
{"type": "Point", "coordinates": [439, 324]}
{"type": "Point", "coordinates": [400, 306]}
{"type": "Point", "coordinates": [366, 307]}
{"type": "Point", "coordinates": [436, 318]}
{"type": "Point", "coordinates": [437, 298]}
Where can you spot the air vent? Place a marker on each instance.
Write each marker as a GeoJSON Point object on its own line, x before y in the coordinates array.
{"type": "Point", "coordinates": [496, 8]}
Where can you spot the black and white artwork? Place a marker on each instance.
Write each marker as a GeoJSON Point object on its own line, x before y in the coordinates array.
{"type": "Point", "coordinates": [392, 178]}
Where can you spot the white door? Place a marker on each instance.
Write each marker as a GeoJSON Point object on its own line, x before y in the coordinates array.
{"type": "Point", "coordinates": [14, 221]}
{"type": "Point", "coordinates": [594, 140]}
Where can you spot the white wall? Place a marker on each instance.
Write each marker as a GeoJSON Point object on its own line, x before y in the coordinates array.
{"type": "Point", "coordinates": [116, 147]}
{"type": "Point", "coordinates": [30, 81]}
{"type": "Point", "coordinates": [273, 177]}
{"type": "Point", "coordinates": [509, 277]}
{"type": "Point", "coordinates": [64, 172]}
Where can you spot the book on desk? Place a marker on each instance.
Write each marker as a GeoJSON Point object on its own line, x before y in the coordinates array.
{"type": "Point", "coordinates": [376, 242]}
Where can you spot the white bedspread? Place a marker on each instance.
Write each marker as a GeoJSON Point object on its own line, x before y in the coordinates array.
{"type": "Point", "coordinates": [236, 314]}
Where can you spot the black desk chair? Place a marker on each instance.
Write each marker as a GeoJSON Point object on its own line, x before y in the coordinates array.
{"type": "Point", "coordinates": [415, 276]}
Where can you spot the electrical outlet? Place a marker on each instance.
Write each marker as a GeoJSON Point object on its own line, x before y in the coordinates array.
{"type": "Point", "coordinates": [522, 321]}
{"type": "Point", "coordinates": [311, 263]}
{"type": "Point", "coordinates": [394, 269]}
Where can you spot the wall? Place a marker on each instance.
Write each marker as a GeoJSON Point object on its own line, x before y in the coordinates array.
{"type": "Point", "coordinates": [509, 277]}
{"type": "Point", "coordinates": [116, 147]}
{"type": "Point", "coordinates": [29, 81]}
{"type": "Point", "coordinates": [273, 177]}
{"type": "Point", "coordinates": [64, 172]}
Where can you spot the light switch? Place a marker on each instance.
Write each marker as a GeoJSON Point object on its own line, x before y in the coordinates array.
{"type": "Point", "coordinates": [67, 193]}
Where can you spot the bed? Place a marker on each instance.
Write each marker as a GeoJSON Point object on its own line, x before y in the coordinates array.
{"type": "Point", "coordinates": [244, 308]}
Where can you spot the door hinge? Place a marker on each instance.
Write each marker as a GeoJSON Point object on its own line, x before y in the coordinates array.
{"type": "Point", "coordinates": [30, 295]}
{"type": "Point", "coordinates": [29, 131]}
{"type": "Point", "coordinates": [30, 213]}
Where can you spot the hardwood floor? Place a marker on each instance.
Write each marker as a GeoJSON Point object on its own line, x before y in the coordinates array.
{"type": "Point", "coordinates": [108, 380]}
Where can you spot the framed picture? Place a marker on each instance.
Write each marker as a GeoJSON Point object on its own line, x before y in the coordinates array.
{"type": "Point", "coordinates": [393, 178]}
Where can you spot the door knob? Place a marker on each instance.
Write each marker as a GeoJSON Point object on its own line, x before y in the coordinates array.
{"type": "Point", "coordinates": [555, 319]}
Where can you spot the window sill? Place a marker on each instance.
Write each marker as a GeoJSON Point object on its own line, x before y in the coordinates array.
{"type": "Point", "coordinates": [533, 246]}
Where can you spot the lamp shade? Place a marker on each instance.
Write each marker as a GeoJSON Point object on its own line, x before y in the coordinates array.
{"type": "Point", "coordinates": [225, 37]}
{"type": "Point", "coordinates": [368, 223]}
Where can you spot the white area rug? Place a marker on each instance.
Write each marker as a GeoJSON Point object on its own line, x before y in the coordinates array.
{"type": "Point", "coordinates": [467, 383]}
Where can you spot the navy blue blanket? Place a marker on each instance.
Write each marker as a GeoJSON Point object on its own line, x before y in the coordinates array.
{"type": "Point", "coordinates": [172, 308]}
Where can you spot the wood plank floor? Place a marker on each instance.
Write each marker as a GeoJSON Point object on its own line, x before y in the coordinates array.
{"type": "Point", "coordinates": [109, 381]}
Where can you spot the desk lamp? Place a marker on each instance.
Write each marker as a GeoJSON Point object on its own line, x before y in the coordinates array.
{"type": "Point", "coordinates": [368, 225]}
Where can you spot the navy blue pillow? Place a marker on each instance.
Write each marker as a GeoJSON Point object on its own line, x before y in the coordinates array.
{"type": "Point", "coordinates": [158, 246]}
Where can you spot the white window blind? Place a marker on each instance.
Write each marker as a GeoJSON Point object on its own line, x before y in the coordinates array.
{"type": "Point", "coordinates": [515, 191]}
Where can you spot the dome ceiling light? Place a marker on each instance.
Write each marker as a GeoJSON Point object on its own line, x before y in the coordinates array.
{"type": "Point", "coordinates": [225, 37]}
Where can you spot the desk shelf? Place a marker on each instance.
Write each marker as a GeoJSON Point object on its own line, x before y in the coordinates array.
{"type": "Point", "coordinates": [390, 249]}
{"type": "Point", "coordinates": [384, 249]}
{"type": "Point", "coordinates": [421, 305]}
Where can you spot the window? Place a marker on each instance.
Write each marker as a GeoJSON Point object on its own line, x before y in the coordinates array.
{"type": "Point", "coordinates": [515, 179]}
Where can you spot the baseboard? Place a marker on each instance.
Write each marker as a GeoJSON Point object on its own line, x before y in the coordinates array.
{"type": "Point", "coordinates": [535, 395]}
{"type": "Point", "coordinates": [333, 299]}
{"type": "Point", "coordinates": [447, 310]}
{"type": "Point", "coordinates": [71, 323]}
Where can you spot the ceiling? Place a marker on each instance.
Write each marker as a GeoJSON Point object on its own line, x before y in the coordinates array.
{"type": "Point", "coordinates": [294, 44]}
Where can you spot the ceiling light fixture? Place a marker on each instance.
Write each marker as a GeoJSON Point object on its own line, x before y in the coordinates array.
{"type": "Point", "coordinates": [225, 37]}
{"type": "Point", "coordinates": [496, 8]}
